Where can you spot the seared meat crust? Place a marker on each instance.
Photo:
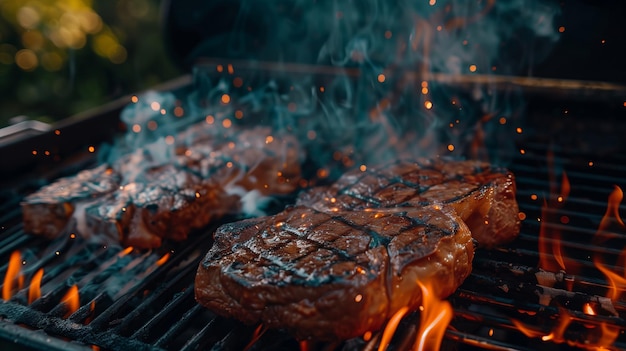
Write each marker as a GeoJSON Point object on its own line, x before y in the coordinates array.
{"type": "Point", "coordinates": [332, 275]}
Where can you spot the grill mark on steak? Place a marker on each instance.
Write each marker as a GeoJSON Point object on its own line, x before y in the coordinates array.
{"type": "Point", "coordinates": [375, 238]}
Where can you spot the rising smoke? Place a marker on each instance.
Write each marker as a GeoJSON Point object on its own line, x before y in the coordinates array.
{"type": "Point", "coordinates": [362, 81]}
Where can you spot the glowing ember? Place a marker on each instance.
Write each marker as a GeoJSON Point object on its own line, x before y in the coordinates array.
{"type": "Point", "coordinates": [304, 345]}
{"type": "Point", "coordinates": [587, 309]}
{"type": "Point", "coordinates": [12, 275]}
{"type": "Point", "coordinates": [71, 301]}
{"type": "Point", "coordinates": [34, 290]}
{"type": "Point", "coordinates": [434, 320]}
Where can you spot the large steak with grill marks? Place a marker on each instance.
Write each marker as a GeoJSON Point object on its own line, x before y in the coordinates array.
{"type": "Point", "coordinates": [332, 275]}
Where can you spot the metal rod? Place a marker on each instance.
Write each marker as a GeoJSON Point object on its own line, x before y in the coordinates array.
{"type": "Point", "coordinates": [409, 73]}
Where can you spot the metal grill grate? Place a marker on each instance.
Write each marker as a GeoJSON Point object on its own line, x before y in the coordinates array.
{"type": "Point", "coordinates": [129, 302]}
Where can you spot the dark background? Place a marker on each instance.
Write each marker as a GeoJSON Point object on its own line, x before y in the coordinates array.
{"type": "Point", "coordinates": [581, 52]}
{"type": "Point", "coordinates": [592, 47]}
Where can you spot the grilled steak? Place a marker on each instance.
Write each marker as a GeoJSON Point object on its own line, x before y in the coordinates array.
{"type": "Point", "coordinates": [140, 200]}
{"type": "Point", "coordinates": [165, 203]}
{"type": "Point", "coordinates": [346, 257]}
{"type": "Point", "coordinates": [332, 275]}
{"type": "Point", "coordinates": [47, 211]}
{"type": "Point", "coordinates": [481, 194]}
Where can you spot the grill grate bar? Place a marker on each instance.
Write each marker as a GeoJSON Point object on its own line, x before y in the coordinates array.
{"type": "Point", "coordinates": [527, 255]}
{"type": "Point", "coordinates": [594, 216]}
{"type": "Point", "coordinates": [572, 244]}
{"type": "Point", "coordinates": [196, 339]}
{"type": "Point", "coordinates": [150, 301]}
{"type": "Point", "coordinates": [571, 200]}
{"type": "Point", "coordinates": [78, 268]}
{"type": "Point", "coordinates": [510, 332]}
{"type": "Point", "coordinates": [160, 272]}
{"type": "Point", "coordinates": [174, 331]}
{"type": "Point", "coordinates": [143, 332]}
{"type": "Point", "coordinates": [482, 342]}
{"type": "Point", "coordinates": [515, 290]}
{"type": "Point", "coordinates": [19, 314]}
{"type": "Point", "coordinates": [529, 273]}
{"type": "Point", "coordinates": [568, 155]}
{"type": "Point", "coordinates": [11, 212]}
{"type": "Point", "coordinates": [581, 207]}
{"type": "Point", "coordinates": [14, 241]}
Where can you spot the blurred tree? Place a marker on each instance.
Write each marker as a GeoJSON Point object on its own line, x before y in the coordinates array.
{"type": "Point", "coordinates": [60, 57]}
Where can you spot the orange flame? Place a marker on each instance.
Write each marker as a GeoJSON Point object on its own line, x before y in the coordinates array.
{"type": "Point", "coordinates": [34, 290]}
{"type": "Point", "coordinates": [434, 319]}
{"type": "Point", "coordinates": [529, 332]}
{"type": "Point", "coordinates": [545, 242]}
{"type": "Point", "coordinates": [12, 276]}
{"type": "Point", "coordinates": [617, 282]}
{"type": "Point", "coordinates": [71, 301]}
{"type": "Point", "coordinates": [612, 210]}
{"type": "Point", "coordinates": [92, 308]}
{"type": "Point", "coordinates": [602, 334]}
{"type": "Point", "coordinates": [125, 252]}
{"type": "Point", "coordinates": [550, 239]}
{"type": "Point", "coordinates": [556, 335]}
{"type": "Point", "coordinates": [161, 261]}
{"type": "Point", "coordinates": [258, 332]}
{"type": "Point", "coordinates": [391, 327]}
{"type": "Point", "coordinates": [609, 333]}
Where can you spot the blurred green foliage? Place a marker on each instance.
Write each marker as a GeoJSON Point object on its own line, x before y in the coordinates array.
{"type": "Point", "coordinates": [60, 57]}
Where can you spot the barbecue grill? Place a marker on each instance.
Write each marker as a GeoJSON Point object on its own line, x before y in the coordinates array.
{"type": "Point", "coordinates": [541, 292]}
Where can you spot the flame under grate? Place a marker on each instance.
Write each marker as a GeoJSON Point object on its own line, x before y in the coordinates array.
{"type": "Point", "coordinates": [144, 300]}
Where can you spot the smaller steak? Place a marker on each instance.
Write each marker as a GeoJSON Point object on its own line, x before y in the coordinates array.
{"type": "Point", "coordinates": [332, 275]}
{"type": "Point", "coordinates": [147, 196]}
{"type": "Point", "coordinates": [48, 211]}
{"type": "Point", "coordinates": [481, 194]}
{"type": "Point", "coordinates": [164, 203]}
